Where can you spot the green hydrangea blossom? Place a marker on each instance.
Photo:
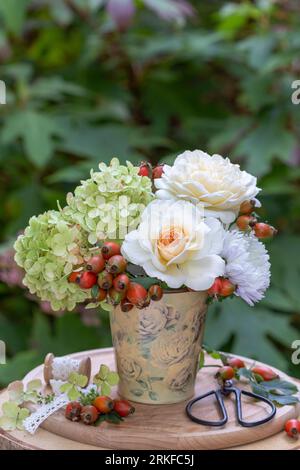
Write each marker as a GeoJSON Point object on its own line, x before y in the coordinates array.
{"type": "Point", "coordinates": [110, 203]}
{"type": "Point", "coordinates": [51, 247]}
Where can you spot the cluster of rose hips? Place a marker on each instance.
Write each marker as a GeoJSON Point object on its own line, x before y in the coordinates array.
{"type": "Point", "coordinates": [105, 273]}
{"type": "Point", "coordinates": [102, 405]}
{"type": "Point", "coordinates": [146, 169]}
{"type": "Point", "coordinates": [248, 222]}
{"type": "Point", "coordinates": [228, 371]}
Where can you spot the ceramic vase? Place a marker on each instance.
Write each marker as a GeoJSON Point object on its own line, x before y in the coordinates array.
{"type": "Point", "coordinates": [157, 348]}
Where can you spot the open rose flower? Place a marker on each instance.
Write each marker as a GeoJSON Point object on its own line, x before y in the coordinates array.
{"type": "Point", "coordinates": [175, 244]}
{"type": "Point", "coordinates": [212, 180]}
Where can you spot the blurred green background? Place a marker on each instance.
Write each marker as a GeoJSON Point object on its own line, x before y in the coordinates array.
{"type": "Point", "coordinates": [91, 79]}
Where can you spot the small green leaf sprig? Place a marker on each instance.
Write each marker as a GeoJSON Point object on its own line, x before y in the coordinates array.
{"type": "Point", "coordinates": [74, 385]}
{"type": "Point", "coordinates": [280, 392]}
{"type": "Point", "coordinates": [20, 394]}
{"type": "Point", "coordinates": [105, 379]}
{"type": "Point", "coordinates": [13, 411]}
{"type": "Point", "coordinates": [13, 416]}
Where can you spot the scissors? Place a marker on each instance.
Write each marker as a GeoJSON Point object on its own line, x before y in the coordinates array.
{"type": "Point", "coordinates": [224, 391]}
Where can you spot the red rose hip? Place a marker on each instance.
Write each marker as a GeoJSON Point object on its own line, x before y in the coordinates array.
{"type": "Point", "coordinates": [116, 264]}
{"type": "Point", "coordinates": [96, 264]}
{"type": "Point", "coordinates": [123, 408]}
{"type": "Point", "coordinates": [87, 280]}
{"type": "Point", "coordinates": [110, 249]}
{"type": "Point", "coordinates": [121, 283]}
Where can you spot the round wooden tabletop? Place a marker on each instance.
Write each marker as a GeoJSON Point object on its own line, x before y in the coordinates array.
{"type": "Point", "coordinates": [161, 427]}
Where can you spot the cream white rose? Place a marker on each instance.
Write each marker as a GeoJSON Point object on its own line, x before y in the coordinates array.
{"type": "Point", "coordinates": [175, 244]}
{"type": "Point", "coordinates": [212, 180]}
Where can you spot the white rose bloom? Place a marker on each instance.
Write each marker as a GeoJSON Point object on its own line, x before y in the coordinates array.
{"type": "Point", "coordinates": [175, 244]}
{"type": "Point", "coordinates": [247, 265]}
{"type": "Point", "coordinates": [212, 180]}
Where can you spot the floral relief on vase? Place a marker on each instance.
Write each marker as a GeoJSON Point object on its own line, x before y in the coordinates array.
{"type": "Point", "coordinates": [157, 348]}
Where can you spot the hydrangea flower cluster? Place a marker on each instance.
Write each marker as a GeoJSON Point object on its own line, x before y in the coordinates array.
{"type": "Point", "coordinates": [49, 250]}
{"type": "Point", "coordinates": [110, 203]}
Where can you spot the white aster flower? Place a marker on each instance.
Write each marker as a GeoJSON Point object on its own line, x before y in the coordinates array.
{"type": "Point", "coordinates": [175, 244]}
{"type": "Point", "coordinates": [212, 180]}
{"type": "Point", "coordinates": [247, 265]}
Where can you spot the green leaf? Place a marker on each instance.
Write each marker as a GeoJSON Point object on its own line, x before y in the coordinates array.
{"type": "Point", "coordinates": [280, 387]}
{"type": "Point", "coordinates": [13, 12]}
{"type": "Point", "coordinates": [283, 399]}
{"type": "Point", "coordinates": [34, 385]}
{"type": "Point", "coordinates": [64, 388]}
{"type": "Point", "coordinates": [269, 140]}
{"type": "Point", "coordinates": [113, 418]}
{"type": "Point", "coordinates": [238, 323]}
{"type": "Point", "coordinates": [113, 378]}
{"type": "Point", "coordinates": [95, 292]}
{"type": "Point", "coordinates": [36, 131]}
{"type": "Point", "coordinates": [103, 372]}
{"type": "Point", "coordinates": [100, 420]}
{"type": "Point", "coordinates": [73, 393]}
{"type": "Point", "coordinates": [105, 389]}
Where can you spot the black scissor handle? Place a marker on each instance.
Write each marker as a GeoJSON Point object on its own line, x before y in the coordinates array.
{"type": "Point", "coordinates": [246, 424]}
{"type": "Point", "coordinates": [219, 398]}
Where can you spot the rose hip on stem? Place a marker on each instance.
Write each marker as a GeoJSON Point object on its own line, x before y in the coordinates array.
{"type": "Point", "coordinates": [292, 428]}
{"type": "Point", "coordinates": [115, 297]}
{"type": "Point", "coordinates": [73, 410]}
{"type": "Point", "coordinates": [247, 207]}
{"type": "Point", "coordinates": [155, 292]}
{"type": "Point", "coordinates": [235, 362]}
{"type": "Point", "coordinates": [96, 264]}
{"type": "Point", "coordinates": [227, 288]}
{"type": "Point", "coordinates": [225, 373]}
{"type": "Point", "coordinates": [216, 287]}
{"type": "Point", "coordinates": [137, 294]}
{"type": "Point", "coordinates": [89, 414]}
{"type": "Point", "coordinates": [145, 169]}
{"type": "Point", "coordinates": [121, 283]}
{"type": "Point", "coordinates": [87, 280]}
{"type": "Point", "coordinates": [116, 264]}
{"type": "Point", "coordinates": [110, 249]}
{"type": "Point", "coordinates": [123, 408]}
{"type": "Point", "coordinates": [126, 306]}
{"type": "Point", "coordinates": [266, 373]}
{"type": "Point", "coordinates": [157, 171]}
{"type": "Point", "coordinates": [101, 295]}
{"type": "Point", "coordinates": [105, 280]}
{"type": "Point", "coordinates": [264, 231]}
{"type": "Point", "coordinates": [246, 222]}
{"type": "Point", "coordinates": [74, 277]}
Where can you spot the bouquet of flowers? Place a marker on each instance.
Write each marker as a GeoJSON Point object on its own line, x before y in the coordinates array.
{"type": "Point", "coordinates": [129, 233]}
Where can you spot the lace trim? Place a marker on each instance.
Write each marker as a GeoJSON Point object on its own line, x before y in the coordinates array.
{"type": "Point", "coordinates": [38, 417]}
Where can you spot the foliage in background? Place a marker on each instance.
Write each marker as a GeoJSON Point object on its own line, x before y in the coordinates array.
{"type": "Point", "coordinates": [84, 85]}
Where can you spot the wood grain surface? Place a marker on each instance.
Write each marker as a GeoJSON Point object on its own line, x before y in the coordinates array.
{"type": "Point", "coordinates": [157, 427]}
